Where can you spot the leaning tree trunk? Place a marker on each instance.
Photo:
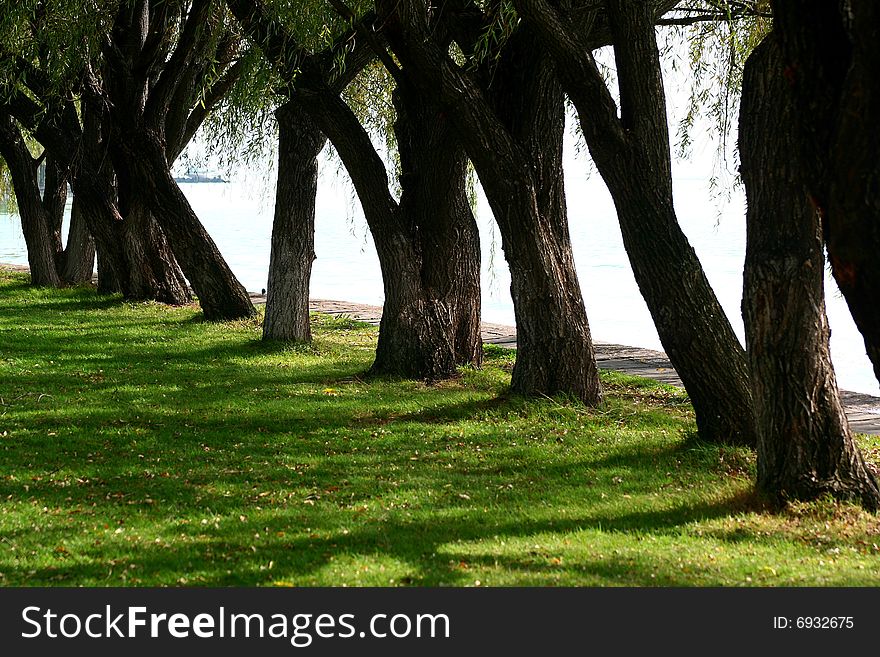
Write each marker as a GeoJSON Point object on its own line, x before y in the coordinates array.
{"type": "Point", "coordinates": [805, 449]}
{"type": "Point", "coordinates": [220, 294]}
{"type": "Point", "coordinates": [293, 228]}
{"type": "Point", "coordinates": [437, 307]}
{"type": "Point", "coordinates": [35, 222]}
{"type": "Point", "coordinates": [691, 323]}
{"type": "Point", "coordinates": [79, 253]}
{"type": "Point", "coordinates": [692, 326]}
{"type": "Point", "coordinates": [631, 150]}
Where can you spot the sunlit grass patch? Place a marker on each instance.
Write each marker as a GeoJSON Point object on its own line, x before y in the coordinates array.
{"type": "Point", "coordinates": [140, 445]}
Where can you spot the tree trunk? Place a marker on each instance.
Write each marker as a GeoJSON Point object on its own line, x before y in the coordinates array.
{"type": "Point", "coordinates": [76, 261]}
{"type": "Point", "coordinates": [105, 224]}
{"type": "Point", "coordinates": [552, 323]}
{"type": "Point", "coordinates": [439, 310]}
{"type": "Point", "coordinates": [35, 222]}
{"type": "Point", "coordinates": [416, 336]}
{"type": "Point", "coordinates": [108, 283]}
{"type": "Point", "coordinates": [142, 158]}
{"type": "Point", "coordinates": [293, 228]}
{"type": "Point", "coordinates": [54, 200]}
{"type": "Point", "coordinates": [832, 57]}
{"type": "Point", "coordinates": [94, 192]}
{"type": "Point", "coordinates": [555, 352]}
{"type": "Point", "coordinates": [420, 333]}
{"type": "Point", "coordinates": [692, 326]}
{"type": "Point", "coordinates": [153, 270]}
{"type": "Point", "coordinates": [805, 449]}
{"type": "Point", "coordinates": [853, 210]}
{"type": "Point", "coordinates": [79, 254]}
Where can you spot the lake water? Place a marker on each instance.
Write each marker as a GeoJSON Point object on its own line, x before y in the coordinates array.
{"type": "Point", "coordinates": [239, 218]}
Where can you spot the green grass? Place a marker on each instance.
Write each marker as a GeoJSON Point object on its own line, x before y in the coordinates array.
{"type": "Point", "coordinates": [141, 446]}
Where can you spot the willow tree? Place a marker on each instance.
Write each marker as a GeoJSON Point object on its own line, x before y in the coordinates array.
{"type": "Point", "coordinates": [51, 263]}
{"type": "Point", "coordinates": [158, 77]}
{"type": "Point", "coordinates": [40, 206]}
{"type": "Point", "coordinates": [805, 449]}
{"type": "Point", "coordinates": [519, 165]}
{"type": "Point", "coordinates": [629, 142]}
{"type": "Point", "coordinates": [147, 73]}
{"type": "Point", "coordinates": [427, 241]}
{"type": "Point", "coordinates": [39, 87]}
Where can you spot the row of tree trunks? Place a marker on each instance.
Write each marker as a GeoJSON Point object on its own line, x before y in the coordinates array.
{"type": "Point", "coordinates": [805, 449]}
{"type": "Point", "coordinates": [632, 154]}
{"type": "Point", "coordinates": [50, 263]}
{"type": "Point", "coordinates": [142, 87]}
{"type": "Point", "coordinates": [427, 243]}
{"type": "Point", "coordinates": [555, 352]}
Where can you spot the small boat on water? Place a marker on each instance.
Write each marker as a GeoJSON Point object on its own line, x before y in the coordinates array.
{"type": "Point", "coordinates": [193, 175]}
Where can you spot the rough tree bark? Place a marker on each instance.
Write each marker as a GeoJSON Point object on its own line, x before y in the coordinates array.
{"type": "Point", "coordinates": [54, 200]}
{"type": "Point", "coordinates": [831, 51]}
{"type": "Point", "coordinates": [36, 223]}
{"type": "Point", "coordinates": [79, 254]}
{"type": "Point", "coordinates": [293, 227]}
{"type": "Point", "coordinates": [434, 201]}
{"type": "Point", "coordinates": [632, 154]}
{"type": "Point", "coordinates": [529, 101]}
{"type": "Point", "coordinates": [555, 352]}
{"type": "Point", "coordinates": [805, 449]}
{"type": "Point", "coordinates": [153, 270]}
{"type": "Point", "coordinates": [220, 294]}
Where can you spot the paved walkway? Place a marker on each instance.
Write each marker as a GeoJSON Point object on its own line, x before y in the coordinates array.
{"type": "Point", "coordinates": [862, 410]}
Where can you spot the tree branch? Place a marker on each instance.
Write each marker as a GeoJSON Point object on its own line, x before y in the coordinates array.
{"type": "Point", "coordinates": [175, 69]}
{"type": "Point", "coordinates": [576, 68]}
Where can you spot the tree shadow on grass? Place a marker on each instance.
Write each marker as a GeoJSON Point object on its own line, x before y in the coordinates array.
{"type": "Point", "coordinates": [234, 460]}
{"type": "Point", "coordinates": [430, 552]}
{"type": "Point", "coordinates": [308, 511]}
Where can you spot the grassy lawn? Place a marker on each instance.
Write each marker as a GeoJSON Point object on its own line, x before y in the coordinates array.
{"type": "Point", "coordinates": [141, 446]}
